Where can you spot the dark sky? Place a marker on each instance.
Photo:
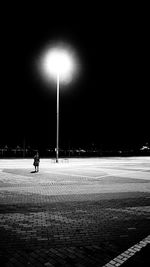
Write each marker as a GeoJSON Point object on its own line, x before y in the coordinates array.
{"type": "Point", "coordinates": [107, 105]}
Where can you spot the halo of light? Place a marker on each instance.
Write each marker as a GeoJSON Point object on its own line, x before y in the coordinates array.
{"type": "Point", "coordinates": [60, 61]}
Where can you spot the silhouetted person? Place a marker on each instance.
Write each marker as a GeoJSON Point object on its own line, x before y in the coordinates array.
{"type": "Point", "coordinates": [36, 162]}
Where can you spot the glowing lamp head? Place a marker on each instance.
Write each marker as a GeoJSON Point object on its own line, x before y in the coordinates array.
{"type": "Point", "coordinates": [58, 62]}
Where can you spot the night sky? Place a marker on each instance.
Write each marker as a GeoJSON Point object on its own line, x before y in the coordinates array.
{"type": "Point", "coordinates": [108, 104]}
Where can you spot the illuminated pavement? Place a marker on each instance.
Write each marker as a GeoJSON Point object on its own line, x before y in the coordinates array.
{"type": "Point", "coordinates": [80, 212]}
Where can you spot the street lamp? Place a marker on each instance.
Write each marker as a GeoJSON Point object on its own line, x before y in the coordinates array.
{"type": "Point", "coordinates": [58, 65]}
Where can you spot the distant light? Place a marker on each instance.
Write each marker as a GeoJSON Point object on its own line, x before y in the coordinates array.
{"type": "Point", "coordinates": [58, 60]}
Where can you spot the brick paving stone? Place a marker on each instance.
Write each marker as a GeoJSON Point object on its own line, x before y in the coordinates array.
{"type": "Point", "coordinates": [112, 262]}
{"type": "Point", "coordinates": [118, 260]}
{"type": "Point", "coordinates": [109, 265]}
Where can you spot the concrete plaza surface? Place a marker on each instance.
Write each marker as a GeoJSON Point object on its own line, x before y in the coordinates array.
{"type": "Point", "coordinates": [79, 212]}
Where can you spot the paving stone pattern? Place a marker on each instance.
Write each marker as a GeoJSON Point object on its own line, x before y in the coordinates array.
{"type": "Point", "coordinates": [80, 233]}
{"type": "Point", "coordinates": [142, 258]}
{"type": "Point", "coordinates": [41, 229]}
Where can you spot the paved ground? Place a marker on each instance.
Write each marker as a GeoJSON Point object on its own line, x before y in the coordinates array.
{"type": "Point", "coordinates": [80, 212]}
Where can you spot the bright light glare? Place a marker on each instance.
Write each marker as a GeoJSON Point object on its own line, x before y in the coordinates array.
{"type": "Point", "coordinates": [58, 61]}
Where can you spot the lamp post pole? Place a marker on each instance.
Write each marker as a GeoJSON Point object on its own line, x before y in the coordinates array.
{"type": "Point", "coordinates": [57, 126]}
{"type": "Point", "coordinates": [58, 64]}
